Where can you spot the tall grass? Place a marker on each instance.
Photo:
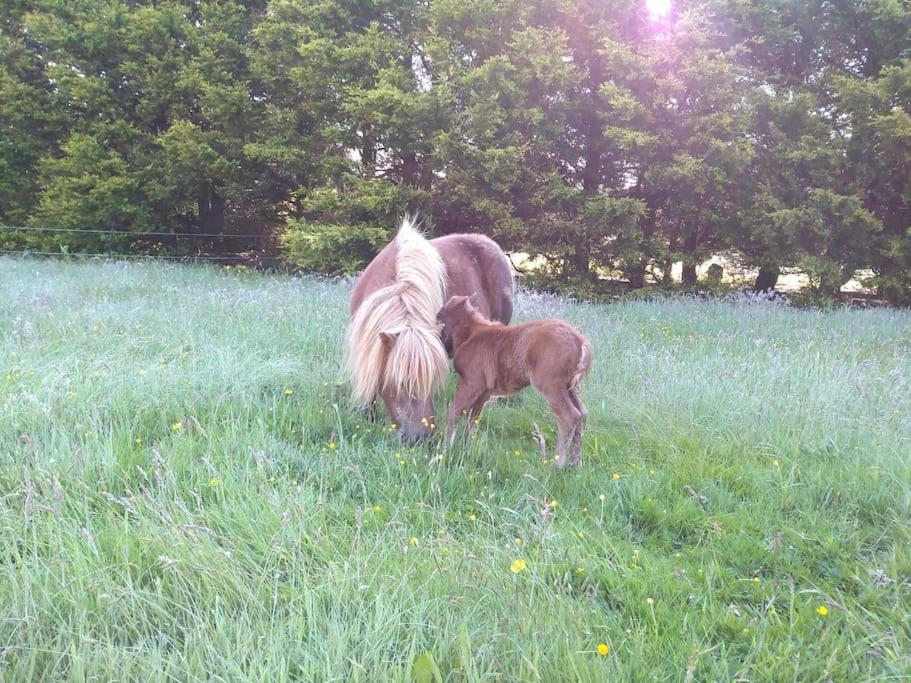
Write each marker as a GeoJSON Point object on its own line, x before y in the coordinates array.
{"type": "Point", "coordinates": [184, 495]}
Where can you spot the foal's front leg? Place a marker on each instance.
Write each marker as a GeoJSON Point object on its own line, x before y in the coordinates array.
{"type": "Point", "coordinates": [467, 395]}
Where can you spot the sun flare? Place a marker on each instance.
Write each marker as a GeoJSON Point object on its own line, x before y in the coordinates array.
{"type": "Point", "coordinates": [658, 9]}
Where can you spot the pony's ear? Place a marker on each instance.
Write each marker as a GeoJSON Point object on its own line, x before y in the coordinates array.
{"type": "Point", "coordinates": [388, 340]}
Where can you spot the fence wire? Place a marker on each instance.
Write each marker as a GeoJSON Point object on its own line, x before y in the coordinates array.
{"type": "Point", "coordinates": [256, 259]}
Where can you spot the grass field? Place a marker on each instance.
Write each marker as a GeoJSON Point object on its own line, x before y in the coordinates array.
{"type": "Point", "coordinates": [185, 496]}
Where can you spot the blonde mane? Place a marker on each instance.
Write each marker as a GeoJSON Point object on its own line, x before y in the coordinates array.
{"type": "Point", "coordinates": [406, 310]}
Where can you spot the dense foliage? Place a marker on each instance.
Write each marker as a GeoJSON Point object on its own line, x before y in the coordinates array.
{"type": "Point", "coordinates": [606, 138]}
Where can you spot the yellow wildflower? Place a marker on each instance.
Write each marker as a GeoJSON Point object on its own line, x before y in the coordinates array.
{"type": "Point", "coordinates": [603, 649]}
{"type": "Point", "coordinates": [214, 482]}
{"type": "Point", "coordinates": [517, 566]}
{"type": "Point", "coordinates": [177, 426]}
{"type": "Point", "coordinates": [553, 504]}
{"type": "Point", "coordinates": [822, 610]}
{"type": "Point", "coordinates": [615, 476]}
{"type": "Point", "coordinates": [288, 391]}
{"type": "Point", "coordinates": [377, 508]}
{"type": "Point", "coordinates": [472, 518]}
{"type": "Point", "coordinates": [518, 541]}
{"type": "Point", "coordinates": [413, 541]}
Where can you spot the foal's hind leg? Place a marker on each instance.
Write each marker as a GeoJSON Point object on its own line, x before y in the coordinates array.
{"type": "Point", "coordinates": [576, 447]}
{"type": "Point", "coordinates": [568, 418]}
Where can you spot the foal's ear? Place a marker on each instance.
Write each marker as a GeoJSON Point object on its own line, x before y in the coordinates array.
{"type": "Point", "coordinates": [388, 340]}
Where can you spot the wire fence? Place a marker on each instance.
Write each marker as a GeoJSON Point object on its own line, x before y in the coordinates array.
{"type": "Point", "coordinates": [258, 258]}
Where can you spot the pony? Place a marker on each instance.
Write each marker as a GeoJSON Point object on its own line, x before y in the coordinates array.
{"type": "Point", "coordinates": [493, 359]}
{"type": "Point", "coordinates": [395, 348]}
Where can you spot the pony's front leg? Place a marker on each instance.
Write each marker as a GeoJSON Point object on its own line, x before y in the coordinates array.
{"type": "Point", "coordinates": [465, 398]}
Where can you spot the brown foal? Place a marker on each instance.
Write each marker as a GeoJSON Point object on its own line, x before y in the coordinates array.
{"type": "Point", "coordinates": [493, 359]}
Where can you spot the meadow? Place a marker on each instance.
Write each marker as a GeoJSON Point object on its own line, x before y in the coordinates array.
{"type": "Point", "coordinates": [184, 495]}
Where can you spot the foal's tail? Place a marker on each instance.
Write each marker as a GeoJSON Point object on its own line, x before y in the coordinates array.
{"type": "Point", "coordinates": [585, 359]}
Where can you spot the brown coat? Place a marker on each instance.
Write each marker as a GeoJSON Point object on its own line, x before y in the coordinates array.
{"type": "Point", "coordinates": [493, 359]}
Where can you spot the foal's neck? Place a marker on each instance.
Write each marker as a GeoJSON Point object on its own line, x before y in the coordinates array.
{"type": "Point", "coordinates": [467, 326]}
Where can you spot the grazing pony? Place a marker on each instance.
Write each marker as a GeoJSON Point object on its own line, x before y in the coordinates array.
{"type": "Point", "coordinates": [493, 359]}
{"type": "Point", "coordinates": [394, 347]}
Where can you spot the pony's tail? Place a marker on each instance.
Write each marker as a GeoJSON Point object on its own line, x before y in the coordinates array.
{"type": "Point", "coordinates": [585, 359]}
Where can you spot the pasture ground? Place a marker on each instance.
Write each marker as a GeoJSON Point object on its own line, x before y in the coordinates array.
{"type": "Point", "coordinates": [185, 496]}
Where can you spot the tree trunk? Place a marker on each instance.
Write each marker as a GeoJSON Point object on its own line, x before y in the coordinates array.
{"type": "Point", "coordinates": [635, 274]}
{"type": "Point", "coordinates": [689, 274]}
{"type": "Point", "coordinates": [211, 210]}
{"type": "Point", "coordinates": [410, 168]}
{"type": "Point", "coordinates": [690, 242]}
{"type": "Point", "coordinates": [766, 279]}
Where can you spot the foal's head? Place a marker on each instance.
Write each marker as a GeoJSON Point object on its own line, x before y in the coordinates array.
{"type": "Point", "coordinates": [457, 311]}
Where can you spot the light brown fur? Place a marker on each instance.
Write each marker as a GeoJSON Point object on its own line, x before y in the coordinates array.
{"type": "Point", "coordinates": [394, 346]}
{"type": "Point", "coordinates": [493, 359]}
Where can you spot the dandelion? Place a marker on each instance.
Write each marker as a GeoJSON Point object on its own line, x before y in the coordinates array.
{"type": "Point", "coordinates": [517, 541]}
{"type": "Point", "coordinates": [553, 505]}
{"type": "Point", "coordinates": [377, 508]}
{"type": "Point", "coordinates": [177, 426]}
{"type": "Point", "coordinates": [603, 649]}
{"type": "Point", "coordinates": [822, 610]}
{"type": "Point", "coordinates": [517, 566]}
{"type": "Point", "coordinates": [332, 445]}
{"type": "Point", "coordinates": [214, 482]}
{"type": "Point", "coordinates": [756, 579]}
{"type": "Point", "coordinates": [472, 518]}
{"type": "Point", "coordinates": [413, 541]}
{"type": "Point", "coordinates": [288, 391]}
{"type": "Point", "coordinates": [615, 476]}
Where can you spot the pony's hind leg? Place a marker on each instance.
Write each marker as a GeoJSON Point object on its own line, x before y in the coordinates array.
{"type": "Point", "coordinates": [568, 418]}
{"type": "Point", "coordinates": [576, 445]}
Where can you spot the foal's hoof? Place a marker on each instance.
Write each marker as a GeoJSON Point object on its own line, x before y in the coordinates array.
{"type": "Point", "coordinates": [560, 463]}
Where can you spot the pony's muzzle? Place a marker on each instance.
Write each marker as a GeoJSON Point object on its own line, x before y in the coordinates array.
{"type": "Point", "coordinates": [413, 434]}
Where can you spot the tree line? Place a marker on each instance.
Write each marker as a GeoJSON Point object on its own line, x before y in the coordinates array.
{"type": "Point", "coordinates": [607, 137]}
